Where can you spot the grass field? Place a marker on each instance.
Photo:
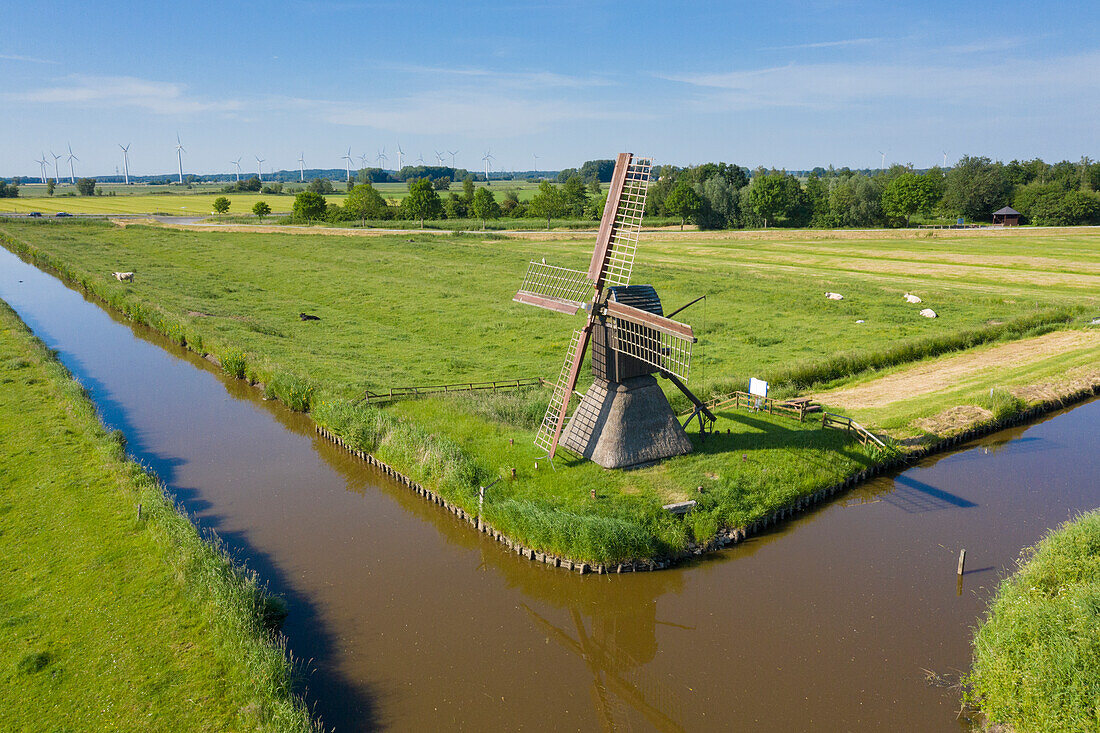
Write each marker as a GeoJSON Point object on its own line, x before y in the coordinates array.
{"type": "Point", "coordinates": [422, 308]}
{"type": "Point", "coordinates": [108, 622]}
{"type": "Point", "coordinates": [180, 201]}
{"type": "Point", "coordinates": [1037, 654]}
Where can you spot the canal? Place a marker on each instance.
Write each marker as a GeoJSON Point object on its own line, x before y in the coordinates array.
{"type": "Point", "coordinates": [848, 618]}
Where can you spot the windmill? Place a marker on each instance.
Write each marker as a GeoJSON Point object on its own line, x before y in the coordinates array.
{"type": "Point", "coordinates": [882, 165]}
{"type": "Point", "coordinates": [347, 159]}
{"type": "Point", "coordinates": [400, 153]}
{"type": "Point", "coordinates": [624, 418]}
{"type": "Point", "coordinates": [42, 164]}
{"type": "Point", "coordinates": [382, 159]}
{"type": "Point", "coordinates": [453, 153]}
{"type": "Point", "coordinates": [72, 173]}
{"type": "Point", "coordinates": [179, 155]}
{"type": "Point", "coordinates": [536, 159]}
{"type": "Point", "coordinates": [56, 157]}
{"type": "Point", "coordinates": [487, 159]}
{"type": "Point", "coordinates": [945, 160]}
{"type": "Point", "coordinates": [439, 158]}
{"type": "Point", "coordinates": [237, 163]}
{"type": "Point", "coordinates": [420, 158]}
{"type": "Point", "coordinates": [301, 167]}
{"type": "Point", "coordinates": [260, 167]}
{"type": "Point", "coordinates": [126, 161]}
{"type": "Point", "coordinates": [363, 160]}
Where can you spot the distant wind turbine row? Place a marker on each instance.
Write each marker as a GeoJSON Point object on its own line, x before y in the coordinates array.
{"type": "Point", "coordinates": [381, 159]}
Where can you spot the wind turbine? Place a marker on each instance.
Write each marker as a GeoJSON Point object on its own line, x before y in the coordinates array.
{"type": "Point", "coordinates": [347, 158]}
{"type": "Point", "coordinates": [382, 159]}
{"type": "Point", "coordinates": [301, 167]}
{"type": "Point", "coordinates": [439, 157]}
{"type": "Point", "coordinates": [536, 171]}
{"type": "Point", "coordinates": [56, 157]}
{"type": "Point", "coordinates": [126, 161]}
{"type": "Point", "coordinates": [945, 159]}
{"type": "Point", "coordinates": [179, 155]}
{"type": "Point", "coordinates": [72, 174]}
{"type": "Point", "coordinates": [363, 160]}
{"type": "Point", "coordinates": [400, 153]}
{"type": "Point", "coordinates": [453, 154]}
{"type": "Point", "coordinates": [237, 163]}
{"type": "Point", "coordinates": [882, 165]}
{"type": "Point", "coordinates": [488, 157]}
{"type": "Point", "coordinates": [42, 164]}
{"type": "Point", "coordinates": [420, 158]}
{"type": "Point", "coordinates": [260, 167]}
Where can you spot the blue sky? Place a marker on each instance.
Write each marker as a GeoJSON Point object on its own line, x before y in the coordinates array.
{"type": "Point", "coordinates": [781, 84]}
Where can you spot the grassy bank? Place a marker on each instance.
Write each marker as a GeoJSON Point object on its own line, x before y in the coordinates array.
{"type": "Point", "coordinates": [1037, 654]}
{"type": "Point", "coordinates": [108, 621]}
{"type": "Point", "coordinates": [419, 308]}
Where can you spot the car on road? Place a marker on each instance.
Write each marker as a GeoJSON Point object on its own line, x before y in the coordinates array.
{"type": "Point", "coordinates": [35, 214]}
{"type": "Point", "coordinates": [62, 213]}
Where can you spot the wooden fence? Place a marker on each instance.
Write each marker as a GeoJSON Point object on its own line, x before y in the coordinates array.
{"type": "Point", "coordinates": [797, 407]}
{"type": "Point", "coordinates": [405, 393]}
{"type": "Point", "coordinates": [840, 422]}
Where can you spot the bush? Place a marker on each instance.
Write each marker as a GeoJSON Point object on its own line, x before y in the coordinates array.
{"type": "Point", "coordinates": [233, 362]}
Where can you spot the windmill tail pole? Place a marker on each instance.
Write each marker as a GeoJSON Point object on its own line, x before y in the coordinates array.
{"type": "Point", "coordinates": [685, 307]}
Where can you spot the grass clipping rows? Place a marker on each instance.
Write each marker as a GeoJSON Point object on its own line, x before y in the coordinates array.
{"type": "Point", "coordinates": [1037, 654]}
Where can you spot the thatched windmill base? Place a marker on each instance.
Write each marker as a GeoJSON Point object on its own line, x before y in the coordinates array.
{"type": "Point", "coordinates": [620, 424]}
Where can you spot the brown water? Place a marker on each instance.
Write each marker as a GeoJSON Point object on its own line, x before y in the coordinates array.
{"type": "Point", "coordinates": [411, 620]}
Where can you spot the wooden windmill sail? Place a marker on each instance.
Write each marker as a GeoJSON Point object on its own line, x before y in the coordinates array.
{"type": "Point", "coordinates": [630, 336]}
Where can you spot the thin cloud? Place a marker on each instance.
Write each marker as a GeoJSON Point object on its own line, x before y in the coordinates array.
{"type": "Point", "coordinates": [124, 91]}
{"type": "Point", "coordinates": [826, 44]}
{"type": "Point", "coordinates": [843, 85]}
{"type": "Point", "coordinates": [544, 79]}
{"type": "Point", "coordinates": [29, 59]}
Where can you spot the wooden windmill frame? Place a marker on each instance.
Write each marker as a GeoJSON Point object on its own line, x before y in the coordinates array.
{"type": "Point", "coordinates": [659, 344]}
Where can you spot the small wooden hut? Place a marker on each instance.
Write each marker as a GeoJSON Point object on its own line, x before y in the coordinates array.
{"type": "Point", "coordinates": [1006, 217]}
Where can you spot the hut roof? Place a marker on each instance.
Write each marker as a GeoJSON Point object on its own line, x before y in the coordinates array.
{"type": "Point", "coordinates": [1007, 210]}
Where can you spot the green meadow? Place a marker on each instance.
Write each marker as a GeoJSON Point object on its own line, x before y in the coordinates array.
{"type": "Point", "coordinates": [108, 621]}
{"type": "Point", "coordinates": [416, 309]}
{"type": "Point", "coordinates": [199, 201]}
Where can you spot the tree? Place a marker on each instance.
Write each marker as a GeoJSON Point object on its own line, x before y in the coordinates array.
{"type": "Point", "coordinates": [423, 202]}
{"type": "Point", "coordinates": [51, 184]}
{"type": "Point", "coordinates": [547, 202]}
{"type": "Point", "coordinates": [774, 196]}
{"type": "Point", "coordinates": [261, 209]}
{"type": "Point", "coordinates": [309, 206]}
{"type": "Point", "coordinates": [442, 183]}
{"type": "Point", "coordinates": [321, 186]}
{"type": "Point", "coordinates": [9, 190]}
{"type": "Point", "coordinates": [855, 201]}
{"type": "Point", "coordinates": [904, 196]}
{"type": "Point", "coordinates": [575, 195]}
{"type": "Point", "coordinates": [86, 186]}
{"type": "Point", "coordinates": [468, 189]}
{"type": "Point", "coordinates": [683, 202]}
{"type": "Point", "coordinates": [221, 205]}
{"type": "Point", "coordinates": [976, 187]}
{"type": "Point", "coordinates": [598, 170]}
{"type": "Point", "coordinates": [485, 206]}
{"type": "Point", "coordinates": [364, 202]}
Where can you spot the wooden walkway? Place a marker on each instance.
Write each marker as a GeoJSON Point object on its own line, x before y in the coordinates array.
{"type": "Point", "coordinates": [840, 422]}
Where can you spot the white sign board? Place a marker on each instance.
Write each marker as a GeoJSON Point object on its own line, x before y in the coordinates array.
{"type": "Point", "coordinates": [758, 387]}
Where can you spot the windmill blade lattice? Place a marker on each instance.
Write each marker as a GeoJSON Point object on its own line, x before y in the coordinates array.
{"type": "Point", "coordinates": [550, 430]}
{"type": "Point", "coordinates": [565, 289]}
{"type": "Point", "coordinates": [627, 224]}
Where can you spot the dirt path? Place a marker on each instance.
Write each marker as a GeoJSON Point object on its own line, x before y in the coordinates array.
{"type": "Point", "coordinates": [945, 373]}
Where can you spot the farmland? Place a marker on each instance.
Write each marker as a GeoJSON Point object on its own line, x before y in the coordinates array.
{"type": "Point", "coordinates": [199, 201]}
{"type": "Point", "coordinates": [386, 302]}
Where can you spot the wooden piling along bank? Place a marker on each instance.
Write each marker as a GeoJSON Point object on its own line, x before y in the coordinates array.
{"type": "Point", "coordinates": [725, 537]}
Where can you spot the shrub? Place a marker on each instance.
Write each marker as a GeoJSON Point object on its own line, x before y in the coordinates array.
{"type": "Point", "coordinates": [233, 362]}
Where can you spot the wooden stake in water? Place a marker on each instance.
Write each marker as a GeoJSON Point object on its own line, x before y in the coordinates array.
{"type": "Point", "coordinates": [962, 561]}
